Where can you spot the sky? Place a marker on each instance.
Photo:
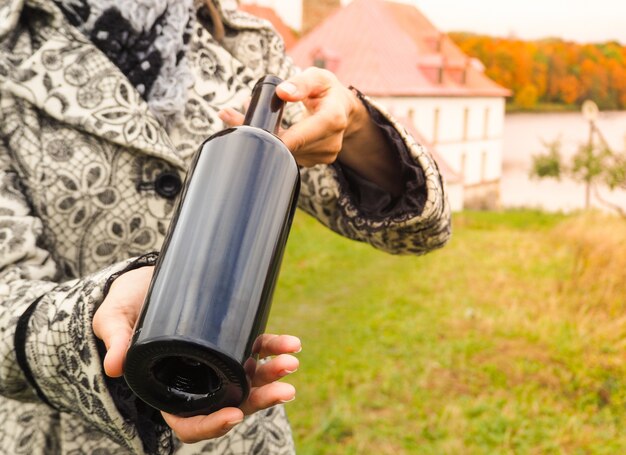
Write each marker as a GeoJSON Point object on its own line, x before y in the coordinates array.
{"type": "Point", "coordinates": [576, 20]}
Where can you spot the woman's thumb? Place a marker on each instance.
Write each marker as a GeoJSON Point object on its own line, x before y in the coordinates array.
{"type": "Point", "coordinates": [116, 353]}
{"type": "Point", "coordinates": [115, 331]}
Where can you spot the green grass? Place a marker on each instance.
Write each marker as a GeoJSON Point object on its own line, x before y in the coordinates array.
{"type": "Point", "coordinates": [502, 342]}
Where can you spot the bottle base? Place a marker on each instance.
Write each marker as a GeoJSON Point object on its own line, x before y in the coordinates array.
{"type": "Point", "coordinates": [184, 378]}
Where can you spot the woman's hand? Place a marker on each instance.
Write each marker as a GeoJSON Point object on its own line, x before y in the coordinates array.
{"type": "Point", "coordinates": [336, 125]}
{"type": "Point", "coordinates": [113, 323]}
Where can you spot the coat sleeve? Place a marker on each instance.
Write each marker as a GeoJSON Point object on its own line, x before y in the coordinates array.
{"type": "Point", "coordinates": [416, 222]}
{"type": "Point", "coordinates": [48, 352]}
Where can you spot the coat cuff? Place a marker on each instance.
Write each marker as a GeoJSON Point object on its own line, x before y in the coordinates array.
{"type": "Point", "coordinates": [62, 356]}
{"type": "Point", "coordinates": [369, 199]}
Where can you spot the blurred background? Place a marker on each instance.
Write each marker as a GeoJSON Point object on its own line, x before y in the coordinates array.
{"type": "Point", "coordinates": [512, 338]}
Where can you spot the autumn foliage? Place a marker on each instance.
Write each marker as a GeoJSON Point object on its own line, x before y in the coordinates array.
{"type": "Point", "coordinates": [552, 71]}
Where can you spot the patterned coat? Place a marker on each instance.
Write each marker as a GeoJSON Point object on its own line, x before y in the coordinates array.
{"type": "Point", "coordinates": [88, 181]}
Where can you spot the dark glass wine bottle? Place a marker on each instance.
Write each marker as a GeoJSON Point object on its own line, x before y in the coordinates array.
{"type": "Point", "coordinates": [212, 287]}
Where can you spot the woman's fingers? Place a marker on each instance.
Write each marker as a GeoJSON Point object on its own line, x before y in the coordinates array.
{"type": "Point", "coordinates": [318, 137]}
{"type": "Point", "coordinates": [198, 428]}
{"type": "Point", "coordinates": [267, 345]}
{"type": "Point", "coordinates": [265, 391]}
{"type": "Point", "coordinates": [267, 396]}
{"type": "Point", "coordinates": [231, 117]}
{"type": "Point", "coordinates": [310, 83]}
{"type": "Point", "coordinates": [275, 369]}
{"type": "Point", "coordinates": [315, 140]}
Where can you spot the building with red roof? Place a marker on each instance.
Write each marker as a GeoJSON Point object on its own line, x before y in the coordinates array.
{"type": "Point", "coordinates": [392, 49]}
{"type": "Point", "coordinates": [393, 53]}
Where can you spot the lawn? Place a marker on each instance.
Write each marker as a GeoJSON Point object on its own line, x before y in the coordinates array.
{"type": "Point", "coordinates": [509, 340]}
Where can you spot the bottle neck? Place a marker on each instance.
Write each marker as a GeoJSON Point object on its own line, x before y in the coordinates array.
{"type": "Point", "coordinates": [266, 108]}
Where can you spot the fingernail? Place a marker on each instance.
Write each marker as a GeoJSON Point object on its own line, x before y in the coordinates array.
{"type": "Point", "coordinates": [286, 372]}
{"type": "Point", "coordinates": [288, 87]}
{"type": "Point", "coordinates": [232, 424]}
{"type": "Point", "coordinates": [287, 401]}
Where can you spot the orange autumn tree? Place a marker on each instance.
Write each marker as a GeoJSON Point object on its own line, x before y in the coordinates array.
{"type": "Point", "coordinates": [552, 70]}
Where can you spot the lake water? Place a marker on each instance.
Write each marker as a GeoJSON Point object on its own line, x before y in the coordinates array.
{"type": "Point", "coordinates": [523, 137]}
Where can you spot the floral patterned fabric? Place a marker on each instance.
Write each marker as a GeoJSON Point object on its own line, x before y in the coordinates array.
{"type": "Point", "coordinates": [146, 39]}
{"type": "Point", "coordinates": [86, 190]}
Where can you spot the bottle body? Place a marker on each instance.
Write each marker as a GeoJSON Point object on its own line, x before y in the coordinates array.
{"type": "Point", "coordinates": [211, 292]}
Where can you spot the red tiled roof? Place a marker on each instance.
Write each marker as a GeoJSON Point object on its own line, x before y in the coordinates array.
{"type": "Point", "coordinates": [269, 14]}
{"type": "Point", "coordinates": [391, 49]}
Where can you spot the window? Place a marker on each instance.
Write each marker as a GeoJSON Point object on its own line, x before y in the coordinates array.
{"type": "Point", "coordinates": [486, 124]}
{"type": "Point", "coordinates": [319, 62]}
{"type": "Point", "coordinates": [483, 166]}
{"type": "Point", "coordinates": [463, 165]}
{"type": "Point", "coordinates": [465, 123]}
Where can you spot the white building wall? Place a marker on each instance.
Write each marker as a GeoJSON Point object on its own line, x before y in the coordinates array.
{"type": "Point", "coordinates": [475, 161]}
{"type": "Point", "coordinates": [455, 196]}
{"type": "Point", "coordinates": [467, 131]}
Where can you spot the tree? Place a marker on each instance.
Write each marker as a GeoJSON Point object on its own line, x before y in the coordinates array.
{"type": "Point", "coordinates": [594, 164]}
{"type": "Point", "coordinates": [570, 89]}
{"type": "Point", "coordinates": [549, 164]}
{"type": "Point", "coordinates": [560, 71]}
{"type": "Point", "coordinates": [526, 98]}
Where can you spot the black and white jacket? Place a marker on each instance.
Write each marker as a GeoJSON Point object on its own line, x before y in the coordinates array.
{"type": "Point", "coordinates": [85, 187]}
